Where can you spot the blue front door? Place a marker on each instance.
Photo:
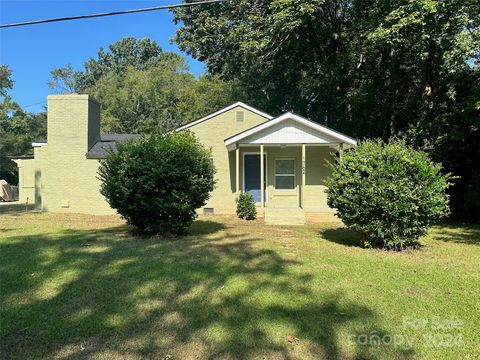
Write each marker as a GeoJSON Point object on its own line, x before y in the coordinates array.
{"type": "Point", "coordinates": [252, 175]}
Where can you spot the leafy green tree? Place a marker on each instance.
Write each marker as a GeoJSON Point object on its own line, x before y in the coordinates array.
{"type": "Point", "coordinates": [17, 131]}
{"type": "Point", "coordinates": [6, 82]}
{"type": "Point", "coordinates": [128, 52]}
{"type": "Point", "coordinates": [62, 79]}
{"type": "Point", "coordinates": [158, 182]}
{"type": "Point", "coordinates": [143, 89]}
{"type": "Point", "coordinates": [204, 95]}
{"type": "Point", "coordinates": [157, 99]}
{"type": "Point", "coordinates": [436, 47]}
{"type": "Point", "coordinates": [142, 101]}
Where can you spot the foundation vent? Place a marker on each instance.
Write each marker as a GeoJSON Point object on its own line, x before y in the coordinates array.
{"type": "Point", "coordinates": [208, 210]}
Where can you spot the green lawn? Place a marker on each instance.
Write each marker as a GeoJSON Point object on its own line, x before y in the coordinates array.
{"type": "Point", "coordinates": [84, 286]}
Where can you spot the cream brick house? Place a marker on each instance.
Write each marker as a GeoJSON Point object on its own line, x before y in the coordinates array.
{"type": "Point", "coordinates": [287, 154]}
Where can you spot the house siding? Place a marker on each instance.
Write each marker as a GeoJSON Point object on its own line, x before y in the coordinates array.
{"type": "Point", "coordinates": [212, 134]}
{"type": "Point", "coordinates": [316, 173]}
{"type": "Point", "coordinates": [63, 174]}
{"type": "Point", "coordinates": [26, 180]}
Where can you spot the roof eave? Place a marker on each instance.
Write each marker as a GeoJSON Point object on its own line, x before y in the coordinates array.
{"type": "Point", "coordinates": [20, 157]}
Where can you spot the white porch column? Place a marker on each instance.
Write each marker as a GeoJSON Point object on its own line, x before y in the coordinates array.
{"type": "Point", "coordinates": [262, 177]}
{"type": "Point", "coordinates": [237, 170]}
{"type": "Point", "coordinates": [303, 175]}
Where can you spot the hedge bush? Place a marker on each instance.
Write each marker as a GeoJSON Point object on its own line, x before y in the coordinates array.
{"type": "Point", "coordinates": [158, 182]}
{"type": "Point", "coordinates": [389, 192]}
{"type": "Point", "coordinates": [246, 208]}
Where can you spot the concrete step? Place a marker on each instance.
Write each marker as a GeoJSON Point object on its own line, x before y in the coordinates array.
{"type": "Point", "coordinates": [284, 216]}
{"type": "Point", "coordinates": [284, 222]}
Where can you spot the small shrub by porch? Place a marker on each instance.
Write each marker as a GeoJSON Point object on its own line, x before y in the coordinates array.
{"type": "Point", "coordinates": [246, 208]}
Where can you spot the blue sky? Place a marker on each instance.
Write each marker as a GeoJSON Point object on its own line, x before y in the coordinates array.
{"type": "Point", "coordinates": [32, 51]}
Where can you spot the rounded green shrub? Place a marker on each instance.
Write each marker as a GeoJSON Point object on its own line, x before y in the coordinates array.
{"type": "Point", "coordinates": [389, 192]}
{"type": "Point", "coordinates": [156, 183]}
{"type": "Point", "coordinates": [246, 208]}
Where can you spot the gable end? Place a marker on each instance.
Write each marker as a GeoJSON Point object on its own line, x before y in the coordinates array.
{"type": "Point", "coordinates": [221, 111]}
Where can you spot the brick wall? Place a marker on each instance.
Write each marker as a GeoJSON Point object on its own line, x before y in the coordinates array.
{"type": "Point", "coordinates": [66, 181]}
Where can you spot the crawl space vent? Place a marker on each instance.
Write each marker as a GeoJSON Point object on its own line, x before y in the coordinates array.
{"type": "Point", "coordinates": [208, 210]}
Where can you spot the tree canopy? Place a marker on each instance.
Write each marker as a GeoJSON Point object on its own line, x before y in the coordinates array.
{"type": "Point", "coordinates": [343, 63]}
{"type": "Point", "coordinates": [6, 82]}
{"type": "Point", "coordinates": [18, 129]}
{"type": "Point", "coordinates": [143, 89]}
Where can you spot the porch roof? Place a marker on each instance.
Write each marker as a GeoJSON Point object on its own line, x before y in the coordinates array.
{"type": "Point", "coordinates": [289, 129]}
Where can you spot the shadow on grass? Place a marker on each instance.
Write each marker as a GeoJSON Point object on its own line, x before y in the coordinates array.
{"type": "Point", "coordinates": [457, 233]}
{"type": "Point", "coordinates": [342, 236]}
{"type": "Point", "coordinates": [213, 294]}
{"type": "Point", "coordinates": [205, 227]}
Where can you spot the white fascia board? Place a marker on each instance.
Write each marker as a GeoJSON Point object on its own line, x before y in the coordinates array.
{"type": "Point", "coordinates": [38, 144]}
{"type": "Point", "coordinates": [301, 120]}
{"type": "Point", "coordinates": [232, 147]}
{"type": "Point", "coordinates": [230, 107]}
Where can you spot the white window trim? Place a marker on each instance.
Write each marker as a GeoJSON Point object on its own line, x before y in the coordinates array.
{"type": "Point", "coordinates": [265, 175]}
{"type": "Point", "coordinates": [294, 174]}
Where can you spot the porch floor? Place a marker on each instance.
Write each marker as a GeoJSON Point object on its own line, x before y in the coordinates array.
{"type": "Point", "coordinates": [284, 216]}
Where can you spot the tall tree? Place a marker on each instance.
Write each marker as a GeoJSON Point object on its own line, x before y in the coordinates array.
{"type": "Point", "coordinates": [143, 89]}
{"type": "Point", "coordinates": [17, 130]}
{"type": "Point", "coordinates": [157, 99]}
{"type": "Point", "coordinates": [436, 93]}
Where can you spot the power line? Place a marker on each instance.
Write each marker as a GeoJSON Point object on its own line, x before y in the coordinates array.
{"type": "Point", "coordinates": [37, 103]}
{"type": "Point", "coordinates": [121, 12]}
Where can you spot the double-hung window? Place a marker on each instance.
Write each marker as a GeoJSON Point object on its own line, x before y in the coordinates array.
{"type": "Point", "coordinates": [285, 174]}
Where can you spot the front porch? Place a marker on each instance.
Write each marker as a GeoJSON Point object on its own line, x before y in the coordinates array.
{"type": "Point", "coordinates": [283, 164]}
{"type": "Point", "coordinates": [293, 179]}
{"type": "Point", "coordinates": [292, 176]}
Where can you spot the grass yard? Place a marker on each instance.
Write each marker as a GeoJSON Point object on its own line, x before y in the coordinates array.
{"type": "Point", "coordinates": [84, 287]}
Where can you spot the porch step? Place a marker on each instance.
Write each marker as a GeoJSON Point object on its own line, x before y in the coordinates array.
{"type": "Point", "coordinates": [284, 216]}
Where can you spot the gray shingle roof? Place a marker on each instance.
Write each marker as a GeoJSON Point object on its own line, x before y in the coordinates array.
{"type": "Point", "coordinates": [118, 137]}
{"type": "Point", "coordinates": [108, 142]}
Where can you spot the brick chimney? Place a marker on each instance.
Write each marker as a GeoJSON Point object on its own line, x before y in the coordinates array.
{"type": "Point", "coordinates": [73, 123]}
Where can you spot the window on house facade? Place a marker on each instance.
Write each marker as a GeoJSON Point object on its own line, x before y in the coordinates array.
{"type": "Point", "coordinates": [284, 174]}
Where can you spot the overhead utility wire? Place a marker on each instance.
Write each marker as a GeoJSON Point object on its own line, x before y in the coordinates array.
{"type": "Point", "coordinates": [121, 12]}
